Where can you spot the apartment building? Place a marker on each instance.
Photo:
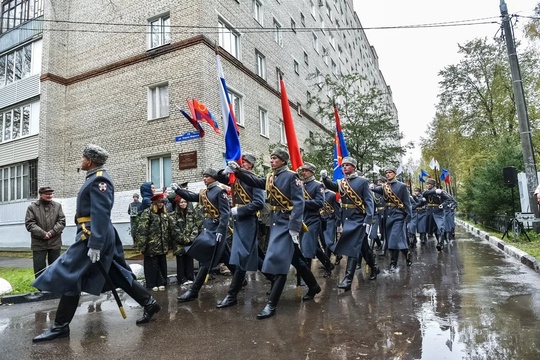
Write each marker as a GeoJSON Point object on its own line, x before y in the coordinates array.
{"type": "Point", "coordinates": [113, 73]}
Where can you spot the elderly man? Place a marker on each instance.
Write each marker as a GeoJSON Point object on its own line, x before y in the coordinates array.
{"type": "Point", "coordinates": [45, 221]}
{"type": "Point", "coordinates": [96, 240]}
{"type": "Point", "coordinates": [397, 214]}
{"type": "Point", "coordinates": [284, 191]}
{"type": "Point", "coordinates": [247, 202]}
{"type": "Point", "coordinates": [357, 217]}
{"type": "Point", "coordinates": [216, 210]}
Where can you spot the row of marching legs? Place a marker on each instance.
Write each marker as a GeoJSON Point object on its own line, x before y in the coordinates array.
{"type": "Point", "coordinates": [443, 239]}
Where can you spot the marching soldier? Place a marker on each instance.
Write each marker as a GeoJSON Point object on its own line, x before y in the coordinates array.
{"type": "Point", "coordinates": [379, 223]}
{"type": "Point", "coordinates": [284, 191]}
{"type": "Point", "coordinates": [247, 202]}
{"type": "Point", "coordinates": [397, 213]}
{"type": "Point", "coordinates": [216, 209]}
{"type": "Point", "coordinates": [96, 240]}
{"type": "Point", "coordinates": [420, 209]}
{"type": "Point", "coordinates": [437, 200]}
{"type": "Point", "coordinates": [357, 217]}
{"type": "Point", "coordinates": [331, 219]}
{"type": "Point", "coordinates": [314, 202]}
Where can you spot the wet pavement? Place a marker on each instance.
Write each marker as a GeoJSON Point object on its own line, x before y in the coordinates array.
{"type": "Point", "coordinates": [469, 301]}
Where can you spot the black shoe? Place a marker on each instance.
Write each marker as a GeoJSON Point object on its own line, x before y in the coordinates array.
{"type": "Point", "coordinates": [188, 296]}
{"type": "Point", "coordinates": [311, 293]}
{"type": "Point", "coordinates": [439, 247]}
{"type": "Point", "coordinates": [267, 312]}
{"type": "Point", "coordinates": [374, 272]}
{"type": "Point", "coordinates": [345, 284]}
{"type": "Point", "coordinates": [149, 310]}
{"type": "Point", "coordinates": [409, 262]}
{"type": "Point", "coordinates": [57, 331]}
{"type": "Point", "coordinates": [328, 270]}
{"type": "Point", "coordinates": [338, 259]}
{"type": "Point", "coordinates": [229, 300]}
{"type": "Point", "coordinates": [245, 282]}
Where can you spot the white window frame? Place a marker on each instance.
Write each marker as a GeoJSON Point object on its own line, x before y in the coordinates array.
{"type": "Point", "coordinates": [293, 25]}
{"type": "Point", "coordinates": [332, 40]}
{"type": "Point", "coordinates": [263, 123]}
{"type": "Point", "coordinates": [159, 31]}
{"type": "Point", "coordinates": [237, 102]}
{"type": "Point", "coordinates": [261, 64]}
{"type": "Point", "coordinates": [278, 32]}
{"type": "Point", "coordinates": [315, 42]}
{"type": "Point", "coordinates": [282, 135]}
{"type": "Point", "coordinates": [296, 67]}
{"type": "Point", "coordinates": [14, 182]}
{"type": "Point", "coordinates": [229, 38]}
{"type": "Point", "coordinates": [160, 170]}
{"type": "Point", "coordinates": [258, 11]}
{"type": "Point", "coordinates": [158, 101]}
{"type": "Point", "coordinates": [19, 122]}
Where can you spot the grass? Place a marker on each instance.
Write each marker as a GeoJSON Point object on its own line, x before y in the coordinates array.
{"type": "Point", "coordinates": [20, 279]}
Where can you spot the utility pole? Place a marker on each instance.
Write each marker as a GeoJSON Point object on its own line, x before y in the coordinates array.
{"type": "Point", "coordinates": [521, 108]}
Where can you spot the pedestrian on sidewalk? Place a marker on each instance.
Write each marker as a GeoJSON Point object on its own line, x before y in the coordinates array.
{"type": "Point", "coordinates": [45, 221]}
{"type": "Point", "coordinates": [75, 270]}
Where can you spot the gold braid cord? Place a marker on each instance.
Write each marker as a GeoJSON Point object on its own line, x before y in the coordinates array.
{"type": "Point", "coordinates": [306, 195]}
{"type": "Point", "coordinates": [349, 191]}
{"type": "Point", "coordinates": [209, 208]}
{"type": "Point", "coordinates": [242, 194]}
{"type": "Point", "coordinates": [327, 208]}
{"type": "Point", "coordinates": [390, 196]}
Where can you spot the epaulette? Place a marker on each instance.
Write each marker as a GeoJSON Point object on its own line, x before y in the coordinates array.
{"type": "Point", "coordinates": [223, 186]}
{"type": "Point", "coordinates": [99, 173]}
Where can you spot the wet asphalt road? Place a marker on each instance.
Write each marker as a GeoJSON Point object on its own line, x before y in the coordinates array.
{"type": "Point", "coordinates": [469, 301]}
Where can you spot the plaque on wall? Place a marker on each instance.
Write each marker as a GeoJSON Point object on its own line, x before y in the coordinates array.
{"type": "Point", "coordinates": [187, 160]}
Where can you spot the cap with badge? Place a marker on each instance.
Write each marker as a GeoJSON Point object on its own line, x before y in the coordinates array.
{"type": "Point", "coordinates": [349, 160]}
{"type": "Point", "coordinates": [281, 153]}
{"type": "Point", "coordinates": [308, 166]}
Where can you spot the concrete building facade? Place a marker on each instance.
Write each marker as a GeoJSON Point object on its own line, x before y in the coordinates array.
{"type": "Point", "coordinates": [113, 73]}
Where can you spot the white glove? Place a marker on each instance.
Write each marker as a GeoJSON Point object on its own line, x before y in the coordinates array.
{"type": "Point", "coordinates": [218, 237]}
{"type": "Point", "coordinates": [368, 228]}
{"type": "Point", "coordinates": [438, 191]}
{"type": "Point", "coordinates": [371, 186]}
{"type": "Point", "coordinates": [228, 170]}
{"type": "Point", "coordinates": [294, 235]}
{"type": "Point", "coordinates": [93, 254]}
{"type": "Point", "coordinates": [175, 186]}
{"type": "Point", "coordinates": [441, 206]}
{"type": "Point", "coordinates": [234, 211]}
{"type": "Point", "coordinates": [233, 165]}
{"type": "Point", "coordinates": [324, 174]}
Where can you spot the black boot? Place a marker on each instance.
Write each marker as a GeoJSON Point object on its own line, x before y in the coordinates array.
{"type": "Point", "coordinates": [64, 314]}
{"type": "Point", "coordinates": [151, 307]}
{"type": "Point", "coordinates": [193, 292]}
{"type": "Point", "coordinates": [407, 254]}
{"type": "Point", "coordinates": [393, 260]}
{"type": "Point", "coordinates": [345, 284]}
{"type": "Point", "coordinates": [423, 238]}
{"type": "Point", "coordinates": [270, 307]}
{"type": "Point", "coordinates": [338, 259]}
{"type": "Point", "coordinates": [234, 288]}
{"type": "Point", "coordinates": [439, 245]}
{"type": "Point", "coordinates": [305, 274]}
{"type": "Point", "coordinates": [325, 260]}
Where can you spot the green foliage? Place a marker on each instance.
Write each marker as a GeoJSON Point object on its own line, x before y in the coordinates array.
{"type": "Point", "coordinates": [20, 279]}
{"type": "Point", "coordinates": [368, 121]}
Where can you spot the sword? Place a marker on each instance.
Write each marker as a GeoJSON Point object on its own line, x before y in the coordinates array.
{"type": "Point", "coordinates": [112, 287]}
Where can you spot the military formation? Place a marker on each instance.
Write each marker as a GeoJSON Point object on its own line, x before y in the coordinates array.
{"type": "Point", "coordinates": [245, 222]}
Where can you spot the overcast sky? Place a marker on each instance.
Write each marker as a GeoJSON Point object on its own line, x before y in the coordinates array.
{"type": "Point", "coordinates": [411, 58]}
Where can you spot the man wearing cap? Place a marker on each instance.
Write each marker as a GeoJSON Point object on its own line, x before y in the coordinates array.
{"type": "Point", "coordinates": [437, 200]}
{"type": "Point", "coordinates": [314, 202]}
{"type": "Point", "coordinates": [247, 201]}
{"type": "Point", "coordinates": [45, 221]}
{"type": "Point", "coordinates": [379, 223]}
{"type": "Point", "coordinates": [357, 217]}
{"type": "Point", "coordinates": [216, 211]}
{"type": "Point", "coordinates": [75, 270]}
{"type": "Point", "coordinates": [397, 213]}
{"type": "Point", "coordinates": [284, 192]}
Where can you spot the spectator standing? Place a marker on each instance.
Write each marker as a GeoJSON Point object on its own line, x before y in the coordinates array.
{"type": "Point", "coordinates": [134, 210]}
{"type": "Point", "coordinates": [45, 221]}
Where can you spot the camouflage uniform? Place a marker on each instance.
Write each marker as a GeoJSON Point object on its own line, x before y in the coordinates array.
{"type": "Point", "coordinates": [190, 223]}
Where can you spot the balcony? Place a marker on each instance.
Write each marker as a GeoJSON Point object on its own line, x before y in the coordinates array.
{"type": "Point", "coordinates": [21, 34]}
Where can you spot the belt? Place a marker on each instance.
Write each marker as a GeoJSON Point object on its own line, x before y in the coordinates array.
{"type": "Point", "coordinates": [420, 208]}
{"type": "Point", "coordinates": [433, 205]}
{"type": "Point", "coordinates": [391, 205]}
{"type": "Point", "coordinates": [380, 208]}
{"type": "Point", "coordinates": [82, 220]}
{"type": "Point", "coordinates": [278, 208]}
{"type": "Point", "coordinates": [348, 206]}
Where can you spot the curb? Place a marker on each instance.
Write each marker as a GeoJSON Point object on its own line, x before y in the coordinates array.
{"type": "Point", "coordinates": [510, 250]}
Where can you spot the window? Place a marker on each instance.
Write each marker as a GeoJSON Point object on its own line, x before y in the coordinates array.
{"type": "Point", "coordinates": [237, 104]}
{"type": "Point", "coordinates": [313, 8]}
{"type": "Point", "coordinates": [299, 109]}
{"type": "Point", "coordinates": [319, 78]}
{"type": "Point", "coordinates": [19, 122]}
{"type": "Point", "coordinates": [325, 55]}
{"type": "Point", "coordinates": [296, 67]}
{"type": "Point", "coordinates": [258, 11]}
{"type": "Point", "coordinates": [18, 181]}
{"type": "Point", "coordinates": [263, 122]}
{"type": "Point", "coordinates": [279, 74]}
{"type": "Point", "coordinates": [334, 68]}
{"type": "Point", "coordinates": [160, 31]}
{"type": "Point", "coordinates": [16, 65]}
{"type": "Point", "coordinates": [306, 58]}
{"type": "Point", "coordinates": [16, 12]}
{"type": "Point", "coordinates": [278, 33]}
{"type": "Point", "coordinates": [261, 64]}
{"type": "Point", "coordinates": [308, 97]}
{"type": "Point", "coordinates": [158, 101]}
{"type": "Point", "coordinates": [229, 38]}
{"type": "Point", "coordinates": [160, 171]}
{"type": "Point", "coordinates": [332, 41]}
{"type": "Point", "coordinates": [282, 135]}
{"type": "Point", "coordinates": [303, 19]}
{"type": "Point", "coordinates": [315, 42]}
{"type": "Point", "coordinates": [293, 25]}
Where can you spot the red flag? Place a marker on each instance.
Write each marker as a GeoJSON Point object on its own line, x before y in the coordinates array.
{"type": "Point", "coordinates": [447, 179]}
{"type": "Point", "coordinates": [290, 133]}
{"type": "Point", "coordinates": [201, 113]}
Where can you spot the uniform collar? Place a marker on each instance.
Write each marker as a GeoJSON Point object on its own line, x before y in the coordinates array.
{"type": "Point", "coordinates": [94, 170]}
{"type": "Point", "coordinates": [281, 169]}
{"type": "Point", "coordinates": [352, 176]}
{"type": "Point", "coordinates": [309, 179]}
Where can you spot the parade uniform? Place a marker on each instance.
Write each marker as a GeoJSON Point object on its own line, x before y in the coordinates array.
{"type": "Point", "coordinates": [331, 219]}
{"type": "Point", "coordinates": [248, 201]}
{"type": "Point", "coordinates": [378, 227]}
{"type": "Point", "coordinates": [437, 199]}
{"type": "Point", "coordinates": [214, 201]}
{"type": "Point", "coordinates": [421, 225]}
{"type": "Point", "coordinates": [357, 218]}
{"type": "Point", "coordinates": [411, 226]}
{"type": "Point", "coordinates": [74, 271]}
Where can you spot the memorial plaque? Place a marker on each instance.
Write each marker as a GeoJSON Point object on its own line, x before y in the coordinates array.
{"type": "Point", "coordinates": [187, 160]}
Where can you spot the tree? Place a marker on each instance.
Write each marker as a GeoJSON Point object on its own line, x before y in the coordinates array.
{"type": "Point", "coordinates": [368, 123]}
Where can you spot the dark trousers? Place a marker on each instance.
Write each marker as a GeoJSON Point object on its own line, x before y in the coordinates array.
{"type": "Point", "coordinates": [155, 270]}
{"type": "Point", "coordinates": [184, 268]}
{"type": "Point", "coordinates": [42, 258]}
